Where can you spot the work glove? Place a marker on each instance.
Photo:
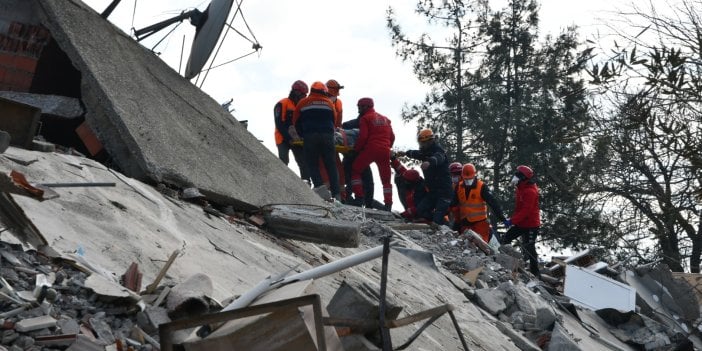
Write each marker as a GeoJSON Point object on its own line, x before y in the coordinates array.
{"type": "Point", "coordinates": [393, 155]}
{"type": "Point", "coordinates": [425, 165]}
{"type": "Point", "coordinates": [507, 222]}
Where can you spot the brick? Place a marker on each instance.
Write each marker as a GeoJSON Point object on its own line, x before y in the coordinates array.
{"type": "Point", "coordinates": [25, 63]}
{"type": "Point", "coordinates": [7, 60]}
{"type": "Point", "coordinates": [90, 140]}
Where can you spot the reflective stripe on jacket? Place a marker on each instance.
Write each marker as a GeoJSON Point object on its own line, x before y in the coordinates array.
{"type": "Point", "coordinates": [314, 114]}
{"type": "Point", "coordinates": [471, 205]}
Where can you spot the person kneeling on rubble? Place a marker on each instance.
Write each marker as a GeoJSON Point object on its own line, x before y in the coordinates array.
{"type": "Point", "coordinates": [410, 188]}
{"type": "Point", "coordinates": [470, 204]}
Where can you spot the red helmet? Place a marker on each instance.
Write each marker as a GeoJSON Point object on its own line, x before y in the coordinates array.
{"type": "Point", "coordinates": [300, 87]}
{"type": "Point", "coordinates": [411, 175]}
{"type": "Point", "coordinates": [365, 102]}
{"type": "Point", "coordinates": [455, 168]}
{"type": "Point", "coordinates": [319, 87]}
{"type": "Point", "coordinates": [469, 171]}
{"type": "Point", "coordinates": [334, 87]}
{"type": "Point", "coordinates": [525, 171]}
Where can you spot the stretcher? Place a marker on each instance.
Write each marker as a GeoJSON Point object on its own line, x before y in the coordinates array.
{"type": "Point", "coordinates": [339, 148]}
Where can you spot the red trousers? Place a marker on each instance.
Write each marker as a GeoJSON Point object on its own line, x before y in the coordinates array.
{"type": "Point", "coordinates": [481, 227]}
{"type": "Point", "coordinates": [381, 157]}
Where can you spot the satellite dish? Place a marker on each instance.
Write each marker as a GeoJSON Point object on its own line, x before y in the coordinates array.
{"type": "Point", "coordinates": [207, 35]}
{"type": "Point", "coordinates": [208, 24]}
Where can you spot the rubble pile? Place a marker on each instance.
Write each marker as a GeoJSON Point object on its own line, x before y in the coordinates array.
{"type": "Point", "coordinates": [55, 303]}
{"type": "Point", "coordinates": [47, 306]}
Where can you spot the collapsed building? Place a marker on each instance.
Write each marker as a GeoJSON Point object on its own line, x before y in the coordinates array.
{"type": "Point", "coordinates": [97, 200]}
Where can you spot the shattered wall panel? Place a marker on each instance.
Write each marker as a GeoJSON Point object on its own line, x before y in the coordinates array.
{"type": "Point", "coordinates": [157, 125]}
{"type": "Point", "coordinates": [21, 42]}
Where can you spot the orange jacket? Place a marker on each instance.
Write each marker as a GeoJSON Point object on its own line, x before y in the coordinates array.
{"type": "Point", "coordinates": [283, 115]}
{"type": "Point", "coordinates": [471, 205]}
{"type": "Point", "coordinates": [339, 113]}
{"type": "Point", "coordinates": [314, 114]}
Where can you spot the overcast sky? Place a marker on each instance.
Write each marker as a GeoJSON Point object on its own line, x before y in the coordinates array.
{"type": "Point", "coordinates": [316, 40]}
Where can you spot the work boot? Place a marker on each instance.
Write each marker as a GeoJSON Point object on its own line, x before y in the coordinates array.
{"type": "Point", "coordinates": [388, 207]}
{"type": "Point", "coordinates": [358, 202]}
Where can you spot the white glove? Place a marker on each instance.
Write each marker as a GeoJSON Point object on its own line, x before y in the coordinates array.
{"type": "Point", "coordinates": [514, 181]}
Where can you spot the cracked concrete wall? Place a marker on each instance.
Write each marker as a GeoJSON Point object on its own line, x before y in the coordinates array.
{"type": "Point", "coordinates": [158, 126]}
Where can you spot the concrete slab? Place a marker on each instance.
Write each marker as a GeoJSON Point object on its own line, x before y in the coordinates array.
{"type": "Point", "coordinates": [159, 127]}
{"type": "Point", "coordinates": [61, 106]}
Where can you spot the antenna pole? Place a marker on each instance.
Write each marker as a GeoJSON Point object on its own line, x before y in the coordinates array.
{"type": "Point", "coordinates": [109, 9]}
{"type": "Point", "coordinates": [182, 48]}
{"type": "Point", "coordinates": [144, 33]}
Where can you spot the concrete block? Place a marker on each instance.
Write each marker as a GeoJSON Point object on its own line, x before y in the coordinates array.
{"type": "Point", "coordinates": [492, 300]}
{"type": "Point", "coordinates": [561, 340]}
{"type": "Point", "coordinates": [36, 323]}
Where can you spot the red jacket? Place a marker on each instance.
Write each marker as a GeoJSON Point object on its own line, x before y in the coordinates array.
{"type": "Point", "coordinates": [526, 209]}
{"type": "Point", "coordinates": [375, 132]}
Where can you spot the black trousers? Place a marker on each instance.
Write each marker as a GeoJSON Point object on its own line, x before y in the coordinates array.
{"type": "Point", "coordinates": [528, 241]}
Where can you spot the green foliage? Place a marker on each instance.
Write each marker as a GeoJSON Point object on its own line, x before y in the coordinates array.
{"type": "Point", "coordinates": [501, 97]}
{"type": "Point", "coordinates": [653, 138]}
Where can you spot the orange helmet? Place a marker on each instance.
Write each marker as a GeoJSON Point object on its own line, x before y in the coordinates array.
{"type": "Point", "coordinates": [425, 135]}
{"type": "Point", "coordinates": [455, 168]}
{"type": "Point", "coordinates": [469, 171]}
{"type": "Point", "coordinates": [525, 171]}
{"type": "Point", "coordinates": [411, 175]}
{"type": "Point", "coordinates": [319, 87]}
{"type": "Point", "coordinates": [300, 87]}
{"type": "Point", "coordinates": [334, 87]}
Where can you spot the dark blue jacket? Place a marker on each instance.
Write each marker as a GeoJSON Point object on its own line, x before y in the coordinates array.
{"type": "Point", "coordinates": [436, 177]}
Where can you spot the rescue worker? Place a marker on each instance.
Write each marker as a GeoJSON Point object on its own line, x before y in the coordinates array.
{"type": "Point", "coordinates": [470, 202]}
{"type": "Point", "coordinates": [314, 121]}
{"type": "Point", "coordinates": [334, 88]}
{"type": "Point", "coordinates": [366, 175]}
{"type": "Point", "coordinates": [375, 139]}
{"type": "Point", "coordinates": [435, 205]}
{"type": "Point", "coordinates": [526, 218]}
{"type": "Point", "coordinates": [455, 169]}
{"type": "Point", "coordinates": [283, 116]}
{"type": "Point", "coordinates": [410, 188]}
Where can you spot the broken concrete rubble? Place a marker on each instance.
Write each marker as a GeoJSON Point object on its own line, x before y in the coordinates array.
{"type": "Point", "coordinates": [416, 283]}
{"type": "Point", "coordinates": [105, 230]}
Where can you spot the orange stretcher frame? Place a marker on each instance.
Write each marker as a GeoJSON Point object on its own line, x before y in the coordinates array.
{"type": "Point", "coordinates": [339, 148]}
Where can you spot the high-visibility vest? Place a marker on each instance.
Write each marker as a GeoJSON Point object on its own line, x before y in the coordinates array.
{"type": "Point", "coordinates": [286, 113]}
{"type": "Point", "coordinates": [471, 204]}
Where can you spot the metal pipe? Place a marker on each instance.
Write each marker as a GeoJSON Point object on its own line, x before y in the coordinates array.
{"type": "Point", "coordinates": [333, 267]}
{"type": "Point", "coordinates": [76, 185]}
